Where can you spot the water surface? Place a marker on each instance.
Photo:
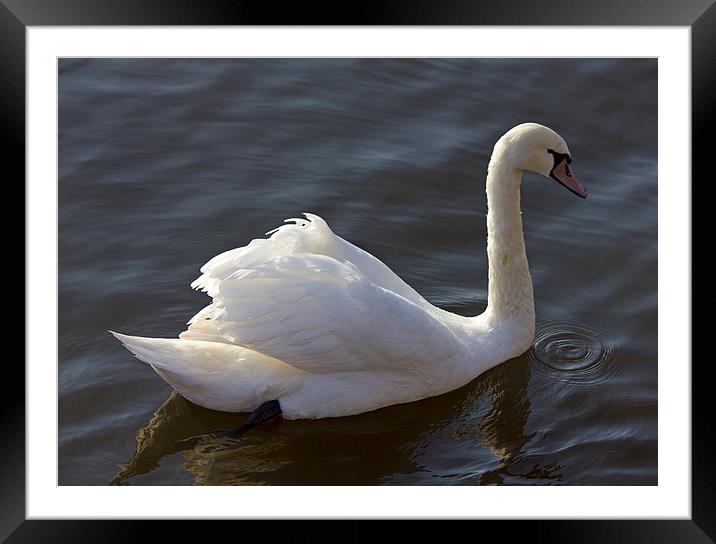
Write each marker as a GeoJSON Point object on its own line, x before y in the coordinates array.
{"type": "Point", "coordinates": [163, 163]}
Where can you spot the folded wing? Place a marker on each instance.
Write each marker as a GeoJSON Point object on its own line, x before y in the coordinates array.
{"type": "Point", "coordinates": [314, 301]}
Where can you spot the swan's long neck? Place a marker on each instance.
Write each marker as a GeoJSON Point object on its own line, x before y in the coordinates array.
{"type": "Point", "coordinates": [510, 297]}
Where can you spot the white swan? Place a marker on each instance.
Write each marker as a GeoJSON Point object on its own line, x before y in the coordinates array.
{"type": "Point", "coordinates": [309, 320]}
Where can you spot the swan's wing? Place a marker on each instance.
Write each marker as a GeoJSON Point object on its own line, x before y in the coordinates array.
{"type": "Point", "coordinates": [310, 236]}
{"type": "Point", "coordinates": [321, 315]}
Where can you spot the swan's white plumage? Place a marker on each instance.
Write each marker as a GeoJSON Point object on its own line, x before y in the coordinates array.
{"type": "Point", "coordinates": [300, 238]}
{"type": "Point", "coordinates": [216, 375]}
{"type": "Point", "coordinates": [316, 314]}
{"type": "Point", "coordinates": [306, 309]}
{"type": "Point", "coordinates": [308, 319]}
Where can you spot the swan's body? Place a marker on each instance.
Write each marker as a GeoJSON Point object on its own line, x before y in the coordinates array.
{"type": "Point", "coordinates": [308, 319]}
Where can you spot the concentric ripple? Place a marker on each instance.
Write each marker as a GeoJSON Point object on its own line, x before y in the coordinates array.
{"type": "Point", "coordinates": [574, 354]}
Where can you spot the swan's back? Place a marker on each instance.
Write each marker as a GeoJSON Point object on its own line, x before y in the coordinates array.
{"type": "Point", "coordinates": [300, 239]}
{"type": "Point", "coordinates": [323, 317]}
{"type": "Point", "coordinates": [310, 299]}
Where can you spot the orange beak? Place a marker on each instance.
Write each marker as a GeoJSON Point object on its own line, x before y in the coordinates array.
{"type": "Point", "coordinates": [562, 174]}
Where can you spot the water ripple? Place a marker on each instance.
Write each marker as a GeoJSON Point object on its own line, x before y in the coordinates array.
{"type": "Point", "coordinates": [573, 354]}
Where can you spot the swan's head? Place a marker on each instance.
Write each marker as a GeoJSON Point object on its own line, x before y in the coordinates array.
{"type": "Point", "coordinates": [540, 149]}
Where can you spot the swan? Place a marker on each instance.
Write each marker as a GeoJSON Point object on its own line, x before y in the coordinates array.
{"type": "Point", "coordinates": [306, 324]}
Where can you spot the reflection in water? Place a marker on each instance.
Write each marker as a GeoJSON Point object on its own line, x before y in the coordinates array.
{"type": "Point", "coordinates": [502, 428]}
{"type": "Point", "coordinates": [173, 422]}
{"type": "Point", "coordinates": [486, 418]}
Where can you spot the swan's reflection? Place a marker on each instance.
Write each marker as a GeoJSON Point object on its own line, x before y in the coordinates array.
{"type": "Point", "coordinates": [502, 429]}
{"type": "Point", "coordinates": [474, 435]}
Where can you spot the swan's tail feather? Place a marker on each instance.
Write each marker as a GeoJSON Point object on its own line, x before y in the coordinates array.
{"type": "Point", "coordinates": [154, 351]}
{"type": "Point", "coordinates": [216, 375]}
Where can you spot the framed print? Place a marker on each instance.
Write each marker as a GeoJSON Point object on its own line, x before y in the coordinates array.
{"type": "Point", "coordinates": [156, 140]}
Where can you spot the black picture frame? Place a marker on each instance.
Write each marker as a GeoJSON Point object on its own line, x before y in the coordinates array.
{"type": "Point", "coordinates": [16, 15]}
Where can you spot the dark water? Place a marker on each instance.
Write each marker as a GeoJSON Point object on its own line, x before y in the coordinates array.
{"type": "Point", "coordinates": [165, 163]}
